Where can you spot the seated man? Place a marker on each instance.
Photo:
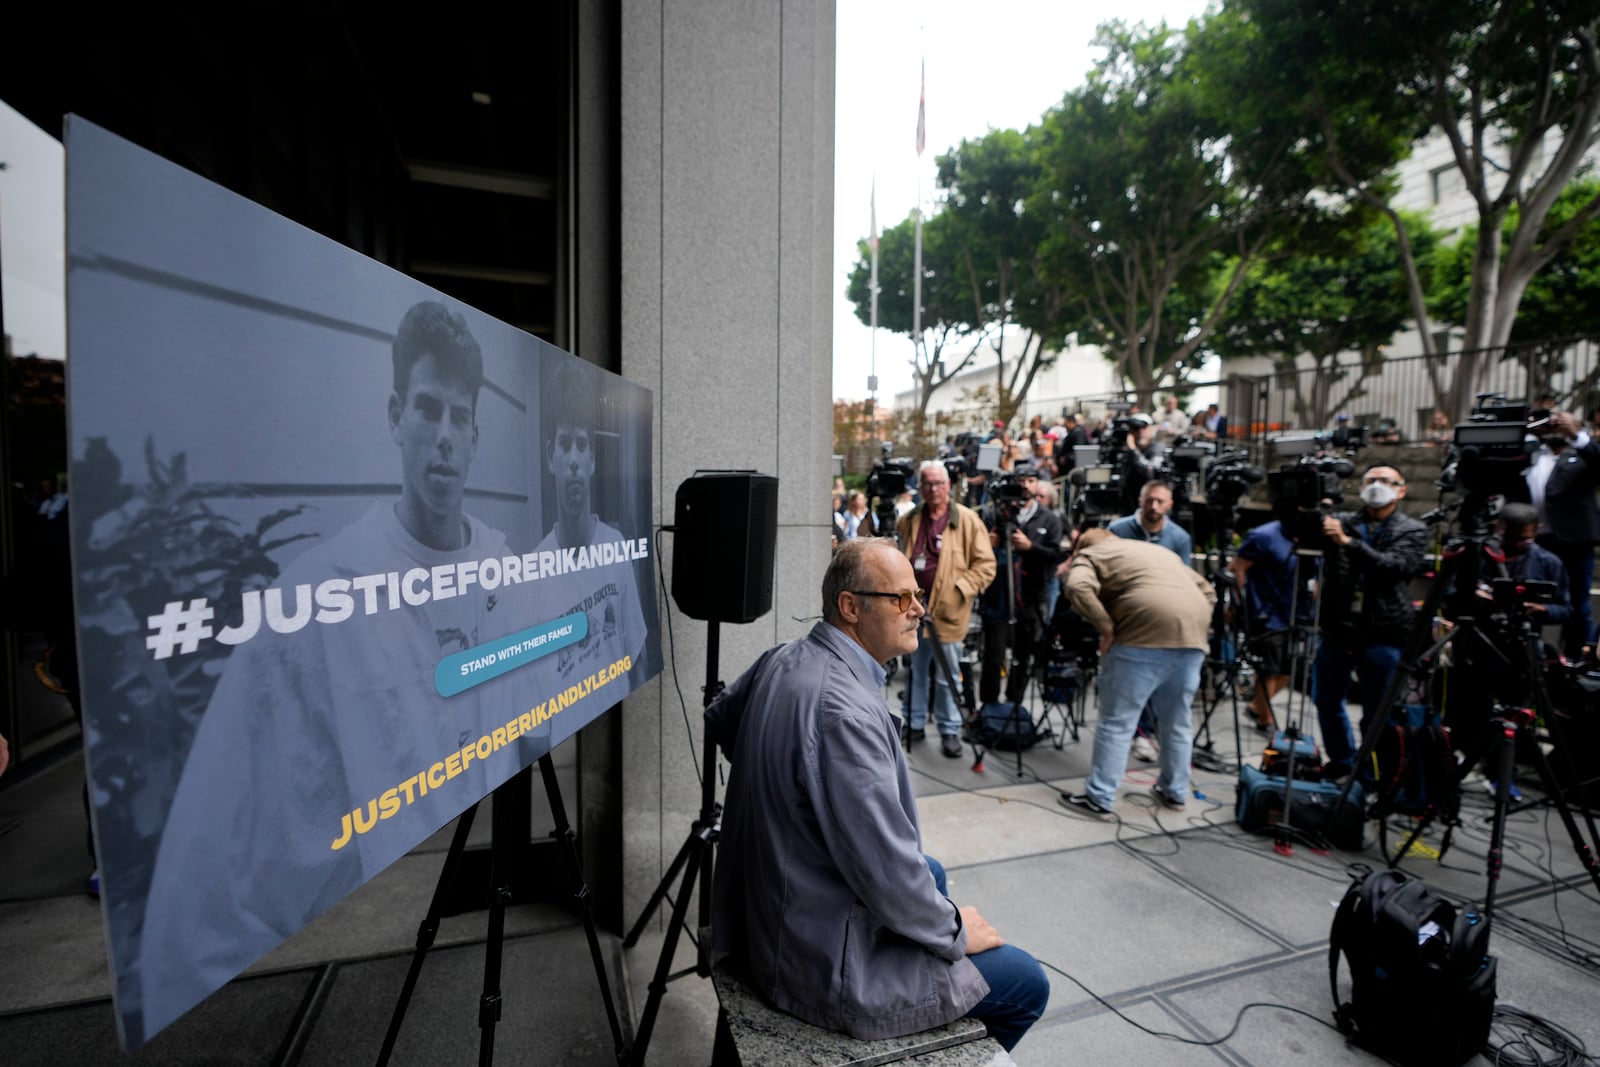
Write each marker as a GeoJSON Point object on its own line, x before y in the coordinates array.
{"type": "Point", "coordinates": [822, 890]}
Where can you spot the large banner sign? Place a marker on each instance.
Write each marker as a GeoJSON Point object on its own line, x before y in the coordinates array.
{"type": "Point", "coordinates": [348, 554]}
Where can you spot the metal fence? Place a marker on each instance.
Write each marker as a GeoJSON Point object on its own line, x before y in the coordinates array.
{"type": "Point", "coordinates": [1413, 399]}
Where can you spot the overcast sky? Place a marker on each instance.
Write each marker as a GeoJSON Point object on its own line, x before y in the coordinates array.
{"type": "Point", "coordinates": [32, 227]}
{"type": "Point", "coordinates": [997, 64]}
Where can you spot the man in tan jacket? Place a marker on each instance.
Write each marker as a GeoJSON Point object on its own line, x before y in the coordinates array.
{"type": "Point", "coordinates": [1152, 613]}
{"type": "Point", "coordinates": [948, 546]}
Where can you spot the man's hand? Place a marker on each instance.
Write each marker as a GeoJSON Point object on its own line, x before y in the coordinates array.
{"type": "Point", "coordinates": [5, 754]}
{"type": "Point", "coordinates": [994, 538]}
{"type": "Point", "coordinates": [1105, 642]}
{"type": "Point", "coordinates": [981, 937]}
{"type": "Point", "coordinates": [1019, 541]}
{"type": "Point", "coordinates": [1333, 529]}
{"type": "Point", "coordinates": [1537, 609]}
{"type": "Point", "coordinates": [1567, 423]}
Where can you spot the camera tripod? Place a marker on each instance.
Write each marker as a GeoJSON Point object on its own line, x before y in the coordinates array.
{"type": "Point", "coordinates": [1463, 563]}
{"type": "Point", "coordinates": [1304, 639]}
{"type": "Point", "coordinates": [1019, 721]}
{"type": "Point", "coordinates": [695, 860]}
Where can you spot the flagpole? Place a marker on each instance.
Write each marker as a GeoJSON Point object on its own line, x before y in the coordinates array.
{"type": "Point", "coordinates": [872, 379]}
{"type": "Point", "coordinates": [916, 260]}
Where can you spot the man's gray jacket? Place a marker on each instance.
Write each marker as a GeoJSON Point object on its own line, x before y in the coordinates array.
{"type": "Point", "coordinates": [822, 891]}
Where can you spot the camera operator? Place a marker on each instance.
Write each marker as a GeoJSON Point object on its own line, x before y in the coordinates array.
{"type": "Point", "coordinates": [1266, 569]}
{"type": "Point", "coordinates": [1371, 557]}
{"type": "Point", "coordinates": [1018, 520]}
{"type": "Point", "coordinates": [953, 562]}
{"type": "Point", "coordinates": [1141, 457]}
{"type": "Point", "coordinates": [1066, 458]}
{"type": "Point", "coordinates": [1561, 486]}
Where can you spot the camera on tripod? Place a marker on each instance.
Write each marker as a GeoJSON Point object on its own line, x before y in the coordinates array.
{"type": "Point", "coordinates": [889, 478]}
{"type": "Point", "coordinates": [1008, 495]}
{"type": "Point", "coordinates": [1097, 494]}
{"type": "Point", "coordinates": [1229, 479]}
{"type": "Point", "coordinates": [1124, 421]}
{"type": "Point", "coordinates": [1488, 452]}
{"type": "Point", "coordinates": [1305, 492]}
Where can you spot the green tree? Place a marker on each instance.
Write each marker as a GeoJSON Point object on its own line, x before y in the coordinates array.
{"type": "Point", "coordinates": [1304, 310]}
{"type": "Point", "coordinates": [1156, 201]}
{"type": "Point", "coordinates": [985, 184]}
{"type": "Point", "coordinates": [1513, 85]}
{"type": "Point", "coordinates": [948, 345]}
{"type": "Point", "coordinates": [1559, 302]}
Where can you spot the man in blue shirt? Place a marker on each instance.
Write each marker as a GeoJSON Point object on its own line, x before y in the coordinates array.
{"type": "Point", "coordinates": [1150, 522]}
{"type": "Point", "coordinates": [1266, 569]}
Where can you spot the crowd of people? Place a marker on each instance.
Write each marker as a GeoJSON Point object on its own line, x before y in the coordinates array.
{"type": "Point", "coordinates": [816, 748]}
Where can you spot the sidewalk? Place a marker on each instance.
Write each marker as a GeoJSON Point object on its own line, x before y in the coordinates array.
{"type": "Point", "coordinates": [1176, 920]}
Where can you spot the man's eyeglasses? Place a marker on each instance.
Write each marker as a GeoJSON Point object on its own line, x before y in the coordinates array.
{"type": "Point", "coordinates": [902, 601]}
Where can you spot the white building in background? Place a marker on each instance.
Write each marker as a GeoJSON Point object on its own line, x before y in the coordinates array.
{"type": "Point", "coordinates": [1079, 376]}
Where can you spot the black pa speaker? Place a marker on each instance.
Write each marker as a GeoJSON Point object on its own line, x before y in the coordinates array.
{"type": "Point", "coordinates": [724, 541]}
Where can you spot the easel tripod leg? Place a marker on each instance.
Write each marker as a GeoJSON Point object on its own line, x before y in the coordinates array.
{"type": "Point", "coordinates": [428, 929]}
{"type": "Point", "coordinates": [580, 890]}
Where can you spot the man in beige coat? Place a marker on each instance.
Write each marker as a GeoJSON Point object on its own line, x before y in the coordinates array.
{"type": "Point", "coordinates": [1152, 612]}
{"type": "Point", "coordinates": [948, 546]}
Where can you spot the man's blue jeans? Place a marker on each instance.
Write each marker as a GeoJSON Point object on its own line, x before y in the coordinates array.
{"type": "Point", "coordinates": [923, 667]}
{"type": "Point", "coordinates": [1165, 678]}
{"type": "Point", "coordinates": [1373, 665]}
{"type": "Point", "coordinates": [1018, 987]}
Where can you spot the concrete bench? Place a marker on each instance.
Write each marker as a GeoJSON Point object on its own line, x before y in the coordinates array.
{"type": "Point", "coordinates": [752, 1032]}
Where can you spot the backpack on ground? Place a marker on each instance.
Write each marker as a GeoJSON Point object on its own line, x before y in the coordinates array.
{"type": "Point", "coordinates": [1415, 766]}
{"type": "Point", "coordinates": [1422, 981]}
{"type": "Point", "coordinates": [1006, 728]}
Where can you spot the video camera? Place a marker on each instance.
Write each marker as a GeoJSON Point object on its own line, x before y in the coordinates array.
{"type": "Point", "coordinates": [1489, 451]}
{"type": "Point", "coordinates": [1229, 478]}
{"type": "Point", "coordinates": [1008, 495]}
{"type": "Point", "coordinates": [1305, 492]}
{"type": "Point", "coordinates": [889, 478]}
{"type": "Point", "coordinates": [1096, 494]}
{"type": "Point", "coordinates": [1124, 421]}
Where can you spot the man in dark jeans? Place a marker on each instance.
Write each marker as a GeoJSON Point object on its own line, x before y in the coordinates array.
{"type": "Point", "coordinates": [1371, 557]}
{"type": "Point", "coordinates": [1034, 539]}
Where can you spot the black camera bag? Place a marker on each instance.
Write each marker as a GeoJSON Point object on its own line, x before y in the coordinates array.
{"type": "Point", "coordinates": [1422, 981]}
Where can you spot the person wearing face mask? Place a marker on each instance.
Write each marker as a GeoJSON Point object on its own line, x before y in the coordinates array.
{"type": "Point", "coordinates": [1371, 557]}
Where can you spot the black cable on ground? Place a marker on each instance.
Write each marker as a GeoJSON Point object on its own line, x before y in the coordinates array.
{"type": "Point", "coordinates": [1519, 1039]}
{"type": "Point", "coordinates": [1238, 1018]}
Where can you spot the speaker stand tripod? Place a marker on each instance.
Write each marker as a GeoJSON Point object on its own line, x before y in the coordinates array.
{"type": "Point", "coordinates": [694, 859]}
